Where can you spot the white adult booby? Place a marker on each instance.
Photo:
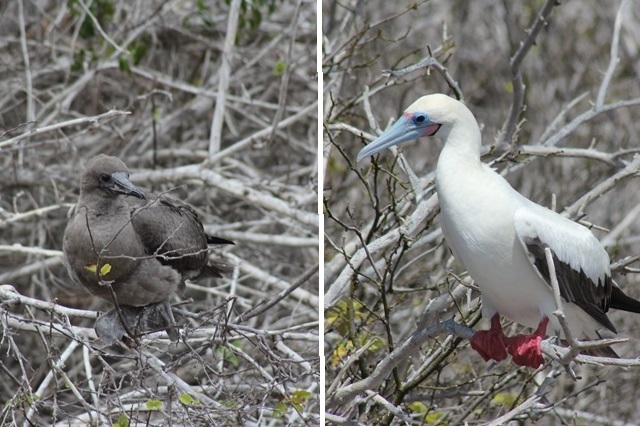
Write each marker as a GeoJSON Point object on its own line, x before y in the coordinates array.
{"type": "Point", "coordinates": [500, 236]}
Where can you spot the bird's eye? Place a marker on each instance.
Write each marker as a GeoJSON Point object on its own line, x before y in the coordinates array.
{"type": "Point", "coordinates": [420, 119]}
{"type": "Point", "coordinates": [105, 177]}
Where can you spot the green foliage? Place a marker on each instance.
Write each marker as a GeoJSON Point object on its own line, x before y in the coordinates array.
{"type": "Point", "coordinates": [187, 400]}
{"type": "Point", "coordinates": [434, 417]}
{"type": "Point", "coordinates": [154, 404]}
{"type": "Point", "coordinates": [280, 409]}
{"type": "Point", "coordinates": [81, 57]}
{"type": "Point", "coordinates": [123, 421]}
{"type": "Point", "coordinates": [252, 12]}
{"type": "Point", "coordinates": [228, 403]}
{"type": "Point", "coordinates": [78, 60]}
{"type": "Point", "coordinates": [418, 407]}
{"type": "Point", "coordinates": [201, 19]}
{"type": "Point", "coordinates": [229, 355]}
{"type": "Point", "coordinates": [24, 400]}
{"type": "Point", "coordinates": [103, 11]}
{"type": "Point", "coordinates": [430, 417]}
{"type": "Point", "coordinates": [279, 68]}
{"type": "Point", "coordinates": [137, 50]}
{"type": "Point", "coordinates": [123, 64]}
{"type": "Point", "coordinates": [86, 29]}
{"type": "Point", "coordinates": [339, 317]}
{"type": "Point", "coordinates": [297, 399]}
{"type": "Point", "coordinates": [506, 399]}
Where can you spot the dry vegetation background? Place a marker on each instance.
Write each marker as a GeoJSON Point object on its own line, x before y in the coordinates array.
{"type": "Point", "coordinates": [141, 80]}
{"type": "Point", "coordinates": [567, 143]}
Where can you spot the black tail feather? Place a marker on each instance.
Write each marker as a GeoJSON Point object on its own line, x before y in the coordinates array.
{"type": "Point", "coordinates": [216, 269]}
{"type": "Point", "coordinates": [213, 240]}
{"type": "Point", "coordinates": [620, 301]}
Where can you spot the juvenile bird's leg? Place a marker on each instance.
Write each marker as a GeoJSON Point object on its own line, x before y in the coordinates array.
{"type": "Point", "coordinates": [491, 344]}
{"type": "Point", "coordinates": [159, 316]}
{"type": "Point", "coordinates": [525, 349]}
{"type": "Point", "coordinates": [112, 327]}
{"type": "Point", "coordinates": [117, 323]}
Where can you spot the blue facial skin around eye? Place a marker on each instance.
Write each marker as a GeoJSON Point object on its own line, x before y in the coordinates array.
{"type": "Point", "coordinates": [420, 119]}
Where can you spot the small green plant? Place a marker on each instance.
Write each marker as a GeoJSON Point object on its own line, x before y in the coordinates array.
{"type": "Point", "coordinates": [297, 399]}
{"type": "Point", "coordinates": [188, 400]}
{"type": "Point", "coordinates": [123, 421]}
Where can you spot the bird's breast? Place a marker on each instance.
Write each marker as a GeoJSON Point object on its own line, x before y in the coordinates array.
{"type": "Point", "coordinates": [477, 221]}
{"type": "Point", "coordinates": [91, 241]}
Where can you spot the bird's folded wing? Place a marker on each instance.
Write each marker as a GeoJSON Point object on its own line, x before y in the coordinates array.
{"type": "Point", "coordinates": [580, 261]}
{"type": "Point", "coordinates": [173, 232]}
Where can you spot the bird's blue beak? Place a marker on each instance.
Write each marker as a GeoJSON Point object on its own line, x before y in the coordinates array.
{"type": "Point", "coordinates": [402, 131]}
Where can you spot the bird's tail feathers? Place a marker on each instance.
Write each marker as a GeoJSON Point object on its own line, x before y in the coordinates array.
{"type": "Point", "coordinates": [213, 240]}
{"type": "Point", "coordinates": [215, 269]}
{"type": "Point", "coordinates": [621, 301]}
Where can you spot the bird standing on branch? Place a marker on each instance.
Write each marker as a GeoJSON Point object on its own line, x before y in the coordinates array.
{"type": "Point", "coordinates": [500, 236]}
{"type": "Point", "coordinates": [133, 250]}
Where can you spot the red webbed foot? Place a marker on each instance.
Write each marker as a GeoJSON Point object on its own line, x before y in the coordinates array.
{"type": "Point", "coordinates": [525, 349]}
{"type": "Point", "coordinates": [490, 344]}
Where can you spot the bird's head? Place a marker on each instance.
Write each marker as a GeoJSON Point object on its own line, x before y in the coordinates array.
{"type": "Point", "coordinates": [430, 115]}
{"type": "Point", "coordinates": [108, 176]}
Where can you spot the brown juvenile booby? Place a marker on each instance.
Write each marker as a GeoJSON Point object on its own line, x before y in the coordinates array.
{"type": "Point", "coordinates": [133, 249]}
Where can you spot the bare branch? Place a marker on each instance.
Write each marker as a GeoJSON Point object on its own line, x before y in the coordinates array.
{"type": "Point", "coordinates": [215, 136]}
{"type": "Point", "coordinates": [509, 126]}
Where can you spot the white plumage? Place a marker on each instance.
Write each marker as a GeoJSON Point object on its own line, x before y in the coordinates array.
{"type": "Point", "coordinates": [499, 235]}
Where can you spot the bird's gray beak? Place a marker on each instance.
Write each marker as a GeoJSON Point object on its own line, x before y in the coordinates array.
{"type": "Point", "coordinates": [402, 131]}
{"type": "Point", "coordinates": [120, 184]}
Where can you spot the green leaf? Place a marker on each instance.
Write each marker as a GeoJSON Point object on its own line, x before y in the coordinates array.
{"type": "Point", "coordinates": [505, 399]}
{"type": "Point", "coordinates": [255, 19]}
{"type": "Point", "coordinates": [104, 11]}
{"type": "Point", "coordinates": [508, 87]}
{"type": "Point", "coordinates": [341, 352]}
{"type": "Point", "coordinates": [228, 403]}
{"type": "Point", "coordinates": [300, 396]}
{"type": "Point", "coordinates": [157, 113]}
{"type": "Point", "coordinates": [123, 421]}
{"type": "Point", "coordinates": [137, 50]}
{"type": "Point", "coordinates": [433, 418]}
{"type": "Point", "coordinates": [280, 410]}
{"type": "Point", "coordinates": [86, 28]}
{"type": "Point", "coordinates": [418, 407]}
{"type": "Point", "coordinates": [105, 269]}
{"type": "Point", "coordinates": [123, 64]}
{"type": "Point", "coordinates": [78, 60]}
{"type": "Point", "coordinates": [377, 344]}
{"type": "Point", "coordinates": [154, 404]}
{"type": "Point", "coordinates": [74, 8]}
{"type": "Point", "coordinates": [90, 267]}
{"type": "Point", "coordinates": [298, 407]}
{"type": "Point", "coordinates": [279, 68]}
{"type": "Point", "coordinates": [186, 399]}
{"type": "Point", "coordinates": [228, 355]}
